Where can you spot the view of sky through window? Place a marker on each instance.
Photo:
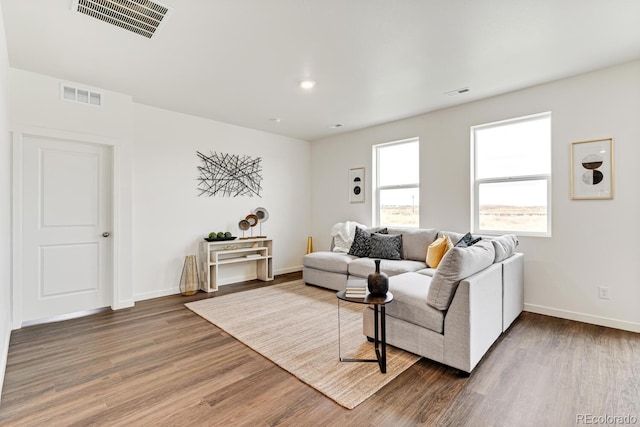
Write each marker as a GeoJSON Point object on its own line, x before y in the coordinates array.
{"type": "Point", "coordinates": [512, 173]}
{"type": "Point", "coordinates": [398, 197]}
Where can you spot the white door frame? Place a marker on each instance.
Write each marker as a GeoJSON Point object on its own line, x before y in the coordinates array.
{"type": "Point", "coordinates": [117, 214]}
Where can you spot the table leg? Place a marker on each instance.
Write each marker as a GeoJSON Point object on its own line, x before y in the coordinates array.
{"type": "Point", "coordinates": [376, 336]}
{"type": "Point", "coordinates": [379, 336]}
{"type": "Point", "coordinates": [344, 359]}
{"type": "Point", "coordinates": [383, 356]}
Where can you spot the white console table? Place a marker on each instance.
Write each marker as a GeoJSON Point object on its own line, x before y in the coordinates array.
{"type": "Point", "coordinates": [215, 255]}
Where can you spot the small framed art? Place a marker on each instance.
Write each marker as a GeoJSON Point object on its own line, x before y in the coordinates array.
{"type": "Point", "coordinates": [356, 185]}
{"type": "Point", "coordinates": [592, 169]}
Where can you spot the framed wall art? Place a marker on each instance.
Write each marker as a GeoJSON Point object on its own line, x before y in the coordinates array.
{"type": "Point", "coordinates": [229, 175]}
{"type": "Point", "coordinates": [592, 169]}
{"type": "Point", "coordinates": [356, 185]}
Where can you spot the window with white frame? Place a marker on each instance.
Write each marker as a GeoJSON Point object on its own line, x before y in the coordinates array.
{"type": "Point", "coordinates": [511, 170]}
{"type": "Point", "coordinates": [396, 167]}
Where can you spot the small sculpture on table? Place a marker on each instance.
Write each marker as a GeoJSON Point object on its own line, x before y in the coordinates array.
{"type": "Point", "coordinates": [263, 216]}
{"type": "Point", "coordinates": [244, 226]}
{"type": "Point", "coordinates": [253, 221]}
{"type": "Point", "coordinates": [258, 216]}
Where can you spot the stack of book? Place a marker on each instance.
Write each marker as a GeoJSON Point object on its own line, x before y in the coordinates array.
{"type": "Point", "coordinates": [355, 291]}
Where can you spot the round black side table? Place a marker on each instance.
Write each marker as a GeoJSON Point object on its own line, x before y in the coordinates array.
{"type": "Point", "coordinates": [379, 339]}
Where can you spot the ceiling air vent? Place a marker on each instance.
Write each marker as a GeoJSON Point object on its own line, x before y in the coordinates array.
{"type": "Point", "coordinates": [142, 17]}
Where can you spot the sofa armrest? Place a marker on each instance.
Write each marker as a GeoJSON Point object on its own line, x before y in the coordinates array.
{"type": "Point", "coordinates": [513, 289]}
{"type": "Point", "coordinates": [474, 319]}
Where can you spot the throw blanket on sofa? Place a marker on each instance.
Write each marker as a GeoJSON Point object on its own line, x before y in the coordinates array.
{"type": "Point", "coordinates": [343, 233]}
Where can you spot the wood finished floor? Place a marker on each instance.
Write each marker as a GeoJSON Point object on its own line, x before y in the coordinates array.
{"type": "Point", "coordinates": [160, 364]}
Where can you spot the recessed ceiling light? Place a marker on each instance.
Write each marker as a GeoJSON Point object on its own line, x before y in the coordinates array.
{"type": "Point", "coordinates": [307, 84]}
{"type": "Point", "coordinates": [275, 119]}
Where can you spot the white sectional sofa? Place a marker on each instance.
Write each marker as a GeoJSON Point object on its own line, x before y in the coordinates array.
{"type": "Point", "coordinates": [482, 286]}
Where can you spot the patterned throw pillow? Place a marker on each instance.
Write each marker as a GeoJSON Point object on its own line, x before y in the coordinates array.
{"type": "Point", "coordinates": [360, 245]}
{"type": "Point", "coordinates": [386, 246]}
{"type": "Point", "coordinates": [467, 240]}
{"type": "Point", "coordinates": [361, 242]}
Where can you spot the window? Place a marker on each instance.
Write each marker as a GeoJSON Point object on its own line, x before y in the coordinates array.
{"type": "Point", "coordinates": [396, 167]}
{"type": "Point", "coordinates": [511, 173]}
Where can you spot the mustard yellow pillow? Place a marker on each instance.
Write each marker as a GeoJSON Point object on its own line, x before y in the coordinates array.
{"type": "Point", "coordinates": [437, 249]}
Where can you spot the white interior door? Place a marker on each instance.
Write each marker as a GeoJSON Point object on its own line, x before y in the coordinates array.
{"type": "Point", "coordinates": [66, 208]}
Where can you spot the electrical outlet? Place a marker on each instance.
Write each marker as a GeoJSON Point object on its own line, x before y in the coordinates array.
{"type": "Point", "coordinates": [604, 292]}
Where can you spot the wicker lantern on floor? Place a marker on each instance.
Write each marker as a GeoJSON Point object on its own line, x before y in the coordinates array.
{"type": "Point", "coordinates": [189, 281]}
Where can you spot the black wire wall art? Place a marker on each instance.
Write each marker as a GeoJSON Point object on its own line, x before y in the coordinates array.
{"type": "Point", "coordinates": [229, 175]}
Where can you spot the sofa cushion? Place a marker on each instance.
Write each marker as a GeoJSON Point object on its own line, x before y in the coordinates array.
{"type": "Point", "coordinates": [379, 230]}
{"type": "Point", "coordinates": [455, 237]}
{"type": "Point", "coordinates": [415, 241]}
{"type": "Point", "coordinates": [362, 267]}
{"type": "Point", "coordinates": [427, 271]}
{"type": "Point", "coordinates": [361, 245]}
{"type": "Point", "coordinates": [459, 263]}
{"type": "Point", "coordinates": [386, 246]}
{"type": "Point", "coordinates": [505, 246]}
{"type": "Point", "coordinates": [410, 301]}
{"type": "Point", "coordinates": [437, 250]}
{"type": "Point", "coordinates": [328, 261]}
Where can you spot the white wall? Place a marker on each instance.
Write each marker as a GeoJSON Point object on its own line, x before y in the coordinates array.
{"type": "Point", "coordinates": [594, 243]}
{"type": "Point", "coordinates": [157, 150]}
{"type": "Point", "coordinates": [170, 219]}
{"type": "Point", "coordinates": [36, 106]}
{"type": "Point", "coordinates": [5, 207]}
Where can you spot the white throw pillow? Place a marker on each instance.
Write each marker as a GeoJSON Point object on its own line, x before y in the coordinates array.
{"type": "Point", "coordinates": [343, 233]}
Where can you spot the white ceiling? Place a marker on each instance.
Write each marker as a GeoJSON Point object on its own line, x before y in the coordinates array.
{"type": "Point", "coordinates": [240, 61]}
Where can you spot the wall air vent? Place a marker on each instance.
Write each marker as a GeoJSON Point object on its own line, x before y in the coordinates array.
{"type": "Point", "coordinates": [83, 96]}
{"type": "Point", "coordinates": [142, 17]}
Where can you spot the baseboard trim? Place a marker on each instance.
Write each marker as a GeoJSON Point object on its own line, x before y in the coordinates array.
{"type": "Point", "coordinates": [583, 317]}
{"type": "Point", "coordinates": [288, 270]}
{"type": "Point", "coordinates": [156, 294]}
{"type": "Point", "coordinates": [124, 304]}
{"type": "Point", "coordinates": [63, 317]}
{"type": "Point", "coordinates": [223, 282]}
{"type": "Point", "coordinates": [4, 355]}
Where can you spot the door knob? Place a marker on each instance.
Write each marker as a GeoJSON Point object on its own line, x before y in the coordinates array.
{"type": "Point", "coordinates": [106, 234]}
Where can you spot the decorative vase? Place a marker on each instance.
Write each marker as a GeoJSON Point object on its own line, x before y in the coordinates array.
{"type": "Point", "coordinates": [377, 282]}
{"type": "Point", "coordinates": [189, 280]}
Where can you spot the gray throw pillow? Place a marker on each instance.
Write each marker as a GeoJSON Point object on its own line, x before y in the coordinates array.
{"type": "Point", "coordinates": [457, 264]}
{"type": "Point", "coordinates": [386, 246]}
{"type": "Point", "coordinates": [504, 246]}
{"type": "Point", "coordinates": [361, 242]}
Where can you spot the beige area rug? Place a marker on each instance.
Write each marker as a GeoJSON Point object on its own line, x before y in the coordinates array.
{"type": "Point", "coordinates": [296, 327]}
